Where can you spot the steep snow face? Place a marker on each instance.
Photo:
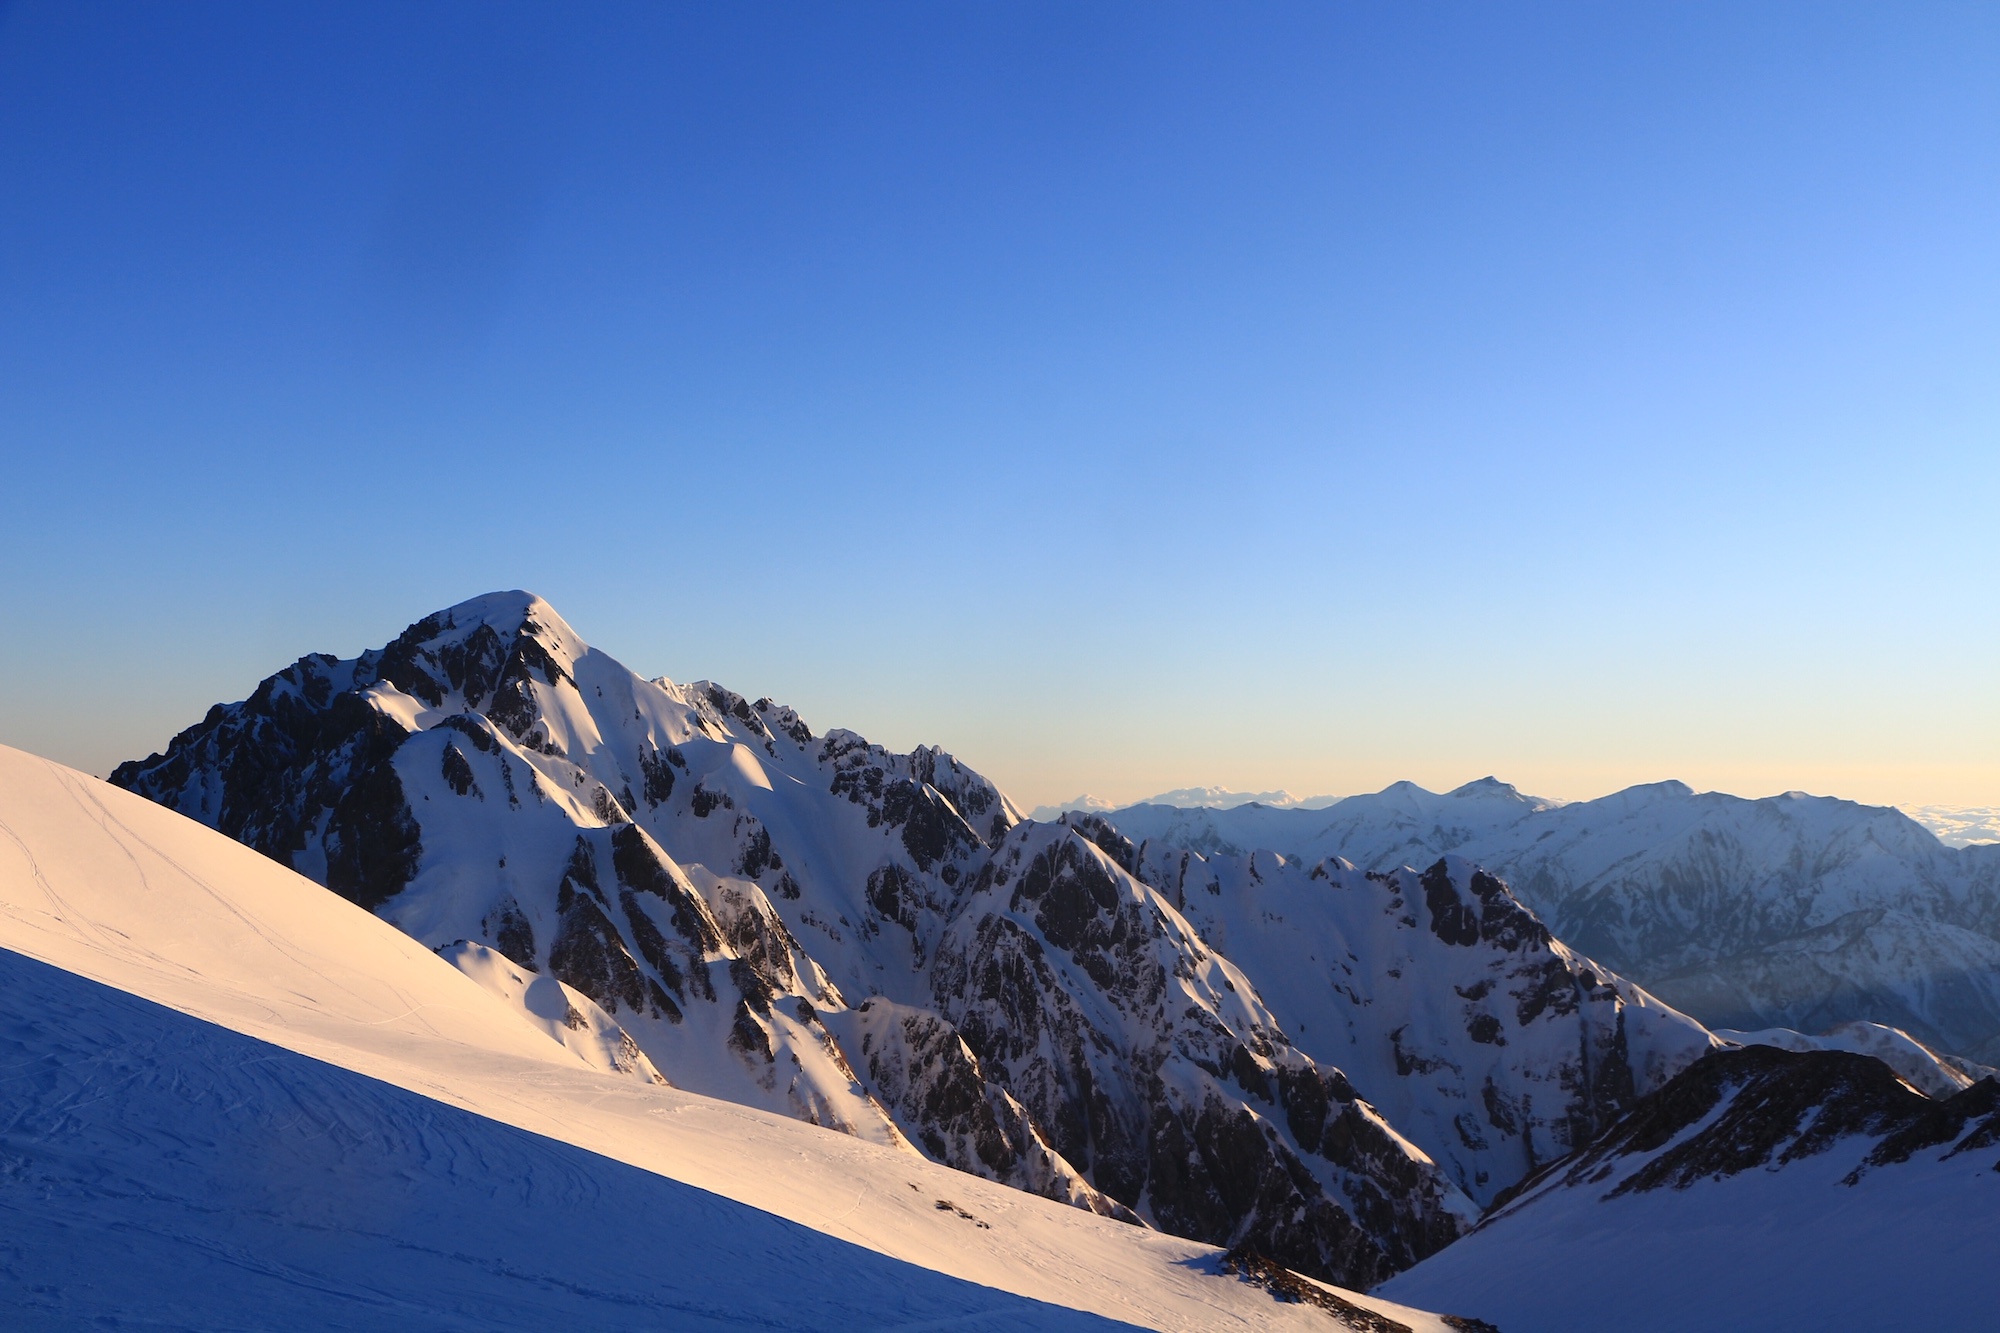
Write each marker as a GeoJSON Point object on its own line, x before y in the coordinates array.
{"type": "Point", "coordinates": [1451, 1007]}
{"type": "Point", "coordinates": [236, 1100]}
{"type": "Point", "coordinates": [1793, 911]}
{"type": "Point", "coordinates": [732, 889]}
{"type": "Point", "coordinates": [1759, 1189]}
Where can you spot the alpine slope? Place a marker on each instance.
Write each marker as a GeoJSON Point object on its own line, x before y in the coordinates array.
{"type": "Point", "coordinates": [236, 1101]}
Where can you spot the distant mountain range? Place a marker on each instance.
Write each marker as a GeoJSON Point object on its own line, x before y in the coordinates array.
{"type": "Point", "coordinates": [1954, 825]}
{"type": "Point", "coordinates": [1791, 911]}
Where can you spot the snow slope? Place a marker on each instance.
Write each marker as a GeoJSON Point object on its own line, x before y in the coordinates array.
{"type": "Point", "coordinates": [1762, 1189]}
{"type": "Point", "coordinates": [1792, 911]}
{"type": "Point", "coordinates": [271, 1105]}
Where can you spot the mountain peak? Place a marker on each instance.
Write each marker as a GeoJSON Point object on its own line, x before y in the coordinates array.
{"type": "Point", "coordinates": [1486, 786]}
{"type": "Point", "coordinates": [506, 614]}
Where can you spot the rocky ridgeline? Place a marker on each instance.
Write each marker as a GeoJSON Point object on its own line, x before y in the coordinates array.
{"type": "Point", "coordinates": [1758, 1108]}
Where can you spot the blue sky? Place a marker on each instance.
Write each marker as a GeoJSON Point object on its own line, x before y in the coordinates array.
{"type": "Point", "coordinates": [1123, 396]}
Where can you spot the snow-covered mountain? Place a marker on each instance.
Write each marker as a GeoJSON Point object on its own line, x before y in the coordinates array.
{"type": "Point", "coordinates": [236, 1101]}
{"type": "Point", "coordinates": [1792, 911]}
{"type": "Point", "coordinates": [1759, 1189]}
{"type": "Point", "coordinates": [809, 924]}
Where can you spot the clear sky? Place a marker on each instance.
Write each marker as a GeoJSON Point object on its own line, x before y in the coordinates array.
{"type": "Point", "coordinates": [1122, 396]}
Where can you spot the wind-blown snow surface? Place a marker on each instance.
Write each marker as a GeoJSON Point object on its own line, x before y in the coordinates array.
{"type": "Point", "coordinates": [812, 925]}
{"type": "Point", "coordinates": [1793, 911]}
{"type": "Point", "coordinates": [1763, 1189]}
{"type": "Point", "coordinates": [235, 1101]}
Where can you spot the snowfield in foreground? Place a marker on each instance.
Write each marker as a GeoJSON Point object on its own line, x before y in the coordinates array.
{"type": "Point", "coordinates": [1763, 1188]}
{"type": "Point", "coordinates": [236, 1100]}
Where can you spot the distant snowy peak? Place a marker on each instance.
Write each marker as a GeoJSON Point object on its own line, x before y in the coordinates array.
{"type": "Point", "coordinates": [1048, 814]}
{"type": "Point", "coordinates": [1221, 798]}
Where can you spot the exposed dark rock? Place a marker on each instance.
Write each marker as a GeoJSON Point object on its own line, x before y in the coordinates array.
{"type": "Point", "coordinates": [756, 857]}
{"type": "Point", "coordinates": [1945, 1122]}
{"type": "Point", "coordinates": [748, 1037]}
{"type": "Point", "coordinates": [371, 840]}
{"type": "Point", "coordinates": [1452, 920]}
{"type": "Point", "coordinates": [657, 774]}
{"type": "Point", "coordinates": [513, 936]}
{"type": "Point", "coordinates": [457, 772]}
{"type": "Point", "coordinates": [639, 867]}
{"type": "Point", "coordinates": [589, 955]}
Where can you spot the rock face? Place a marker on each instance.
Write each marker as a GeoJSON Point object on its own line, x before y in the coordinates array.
{"type": "Point", "coordinates": [1478, 1034]}
{"type": "Point", "coordinates": [808, 923]}
{"type": "Point", "coordinates": [1793, 911]}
